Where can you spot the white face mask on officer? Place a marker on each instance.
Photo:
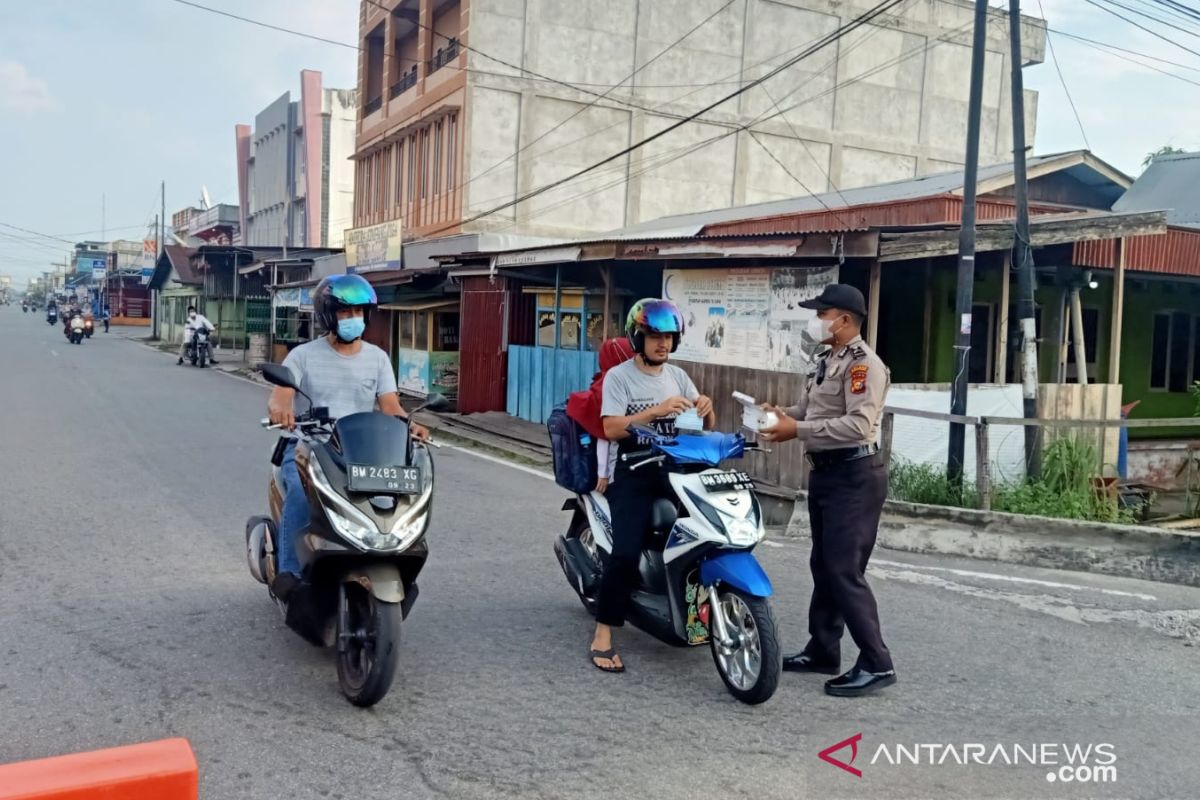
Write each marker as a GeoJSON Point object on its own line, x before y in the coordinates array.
{"type": "Point", "coordinates": [821, 330]}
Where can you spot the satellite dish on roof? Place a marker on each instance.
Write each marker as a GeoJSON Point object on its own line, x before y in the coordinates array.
{"type": "Point", "coordinates": [205, 201]}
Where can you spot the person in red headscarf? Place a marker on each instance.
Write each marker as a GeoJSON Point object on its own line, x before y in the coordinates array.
{"type": "Point", "coordinates": [584, 407]}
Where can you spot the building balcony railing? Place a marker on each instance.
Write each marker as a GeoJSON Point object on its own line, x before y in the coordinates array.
{"type": "Point", "coordinates": [444, 55]}
{"type": "Point", "coordinates": [406, 82]}
{"type": "Point", "coordinates": [373, 105]}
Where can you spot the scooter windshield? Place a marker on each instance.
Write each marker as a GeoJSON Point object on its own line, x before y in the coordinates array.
{"type": "Point", "coordinates": [709, 448]}
{"type": "Point", "coordinates": [372, 439]}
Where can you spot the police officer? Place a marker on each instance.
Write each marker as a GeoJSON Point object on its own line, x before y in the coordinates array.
{"type": "Point", "coordinates": [838, 420]}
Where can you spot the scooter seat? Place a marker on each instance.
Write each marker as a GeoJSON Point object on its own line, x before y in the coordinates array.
{"type": "Point", "coordinates": [663, 515]}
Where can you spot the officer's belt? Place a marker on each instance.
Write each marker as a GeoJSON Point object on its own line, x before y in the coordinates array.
{"type": "Point", "coordinates": [819, 459]}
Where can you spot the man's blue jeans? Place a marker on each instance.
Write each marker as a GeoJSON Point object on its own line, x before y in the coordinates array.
{"type": "Point", "coordinates": [296, 513]}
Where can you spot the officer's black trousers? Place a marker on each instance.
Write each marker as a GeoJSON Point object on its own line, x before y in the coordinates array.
{"type": "Point", "coordinates": [631, 501]}
{"type": "Point", "coordinates": [844, 504]}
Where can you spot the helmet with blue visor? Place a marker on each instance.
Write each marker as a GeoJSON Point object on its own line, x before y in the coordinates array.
{"type": "Point", "coordinates": [342, 291]}
{"type": "Point", "coordinates": [652, 315]}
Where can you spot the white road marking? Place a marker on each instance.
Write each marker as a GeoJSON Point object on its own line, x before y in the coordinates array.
{"type": "Point", "coordinates": [1178, 623]}
{"type": "Point", "coordinates": [769, 543]}
{"type": "Point", "coordinates": [520, 467]}
{"type": "Point", "coordinates": [992, 576]}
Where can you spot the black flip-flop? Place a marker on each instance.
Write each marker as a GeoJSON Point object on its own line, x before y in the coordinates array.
{"type": "Point", "coordinates": [610, 654]}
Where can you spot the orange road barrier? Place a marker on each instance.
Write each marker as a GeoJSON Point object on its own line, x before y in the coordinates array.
{"type": "Point", "coordinates": [163, 770]}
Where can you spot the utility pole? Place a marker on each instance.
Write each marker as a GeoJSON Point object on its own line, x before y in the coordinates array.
{"type": "Point", "coordinates": [966, 249]}
{"type": "Point", "coordinates": [1023, 252]}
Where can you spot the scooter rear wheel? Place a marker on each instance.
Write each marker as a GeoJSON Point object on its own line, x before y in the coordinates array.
{"type": "Point", "coordinates": [751, 661]}
{"type": "Point", "coordinates": [368, 648]}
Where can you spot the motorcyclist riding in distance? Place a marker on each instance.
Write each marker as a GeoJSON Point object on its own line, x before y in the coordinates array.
{"type": "Point", "coordinates": [338, 371]}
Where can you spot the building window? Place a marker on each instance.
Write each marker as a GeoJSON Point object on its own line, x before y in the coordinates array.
{"type": "Point", "coordinates": [1174, 358]}
{"type": "Point", "coordinates": [406, 329]}
{"type": "Point", "coordinates": [451, 136]}
{"type": "Point", "coordinates": [446, 326]}
{"type": "Point", "coordinates": [424, 162]}
{"type": "Point", "coordinates": [412, 168]}
{"type": "Point", "coordinates": [437, 156]}
{"type": "Point", "coordinates": [400, 173]}
{"type": "Point", "coordinates": [377, 187]}
{"type": "Point", "coordinates": [373, 99]}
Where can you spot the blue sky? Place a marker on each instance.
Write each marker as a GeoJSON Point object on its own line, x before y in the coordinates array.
{"type": "Point", "coordinates": [111, 97]}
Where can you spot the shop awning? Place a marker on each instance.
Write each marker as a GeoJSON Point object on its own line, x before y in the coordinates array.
{"type": "Point", "coordinates": [421, 305]}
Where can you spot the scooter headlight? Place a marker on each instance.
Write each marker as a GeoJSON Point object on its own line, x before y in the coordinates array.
{"type": "Point", "coordinates": [357, 527]}
{"type": "Point", "coordinates": [740, 531]}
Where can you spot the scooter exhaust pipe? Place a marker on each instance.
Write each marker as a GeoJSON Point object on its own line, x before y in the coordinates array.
{"type": "Point", "coordinates": [577, 565]}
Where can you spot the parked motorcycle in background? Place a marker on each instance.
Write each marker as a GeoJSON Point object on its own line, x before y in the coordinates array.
{"type": "Point", "coordinates": [370, 487]}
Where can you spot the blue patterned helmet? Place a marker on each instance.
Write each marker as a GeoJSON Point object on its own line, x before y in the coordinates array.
{"type": "Point", "coordinates": [651, 315]}
{"type": "Point", "coordinates": [342, 291]}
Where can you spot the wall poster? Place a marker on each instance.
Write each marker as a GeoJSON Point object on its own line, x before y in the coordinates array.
{"type": "Point", "coordinates": [747, 316]}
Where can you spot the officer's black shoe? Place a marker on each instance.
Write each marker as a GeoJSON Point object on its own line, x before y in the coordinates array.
{"type": "Point", "coordinates": [803, 662]}
{"type": "Point", "coordinates": [858, 682]}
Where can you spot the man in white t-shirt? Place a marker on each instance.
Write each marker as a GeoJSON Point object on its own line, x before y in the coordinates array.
{"type": "Point", "coordinates": [195, 322]}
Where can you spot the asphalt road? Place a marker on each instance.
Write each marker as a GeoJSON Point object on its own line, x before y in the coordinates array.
{"type": "Point", "coordinates": [127, 614]}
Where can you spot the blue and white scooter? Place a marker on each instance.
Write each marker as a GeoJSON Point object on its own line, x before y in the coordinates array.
{"type": "Point", "coordinates": [699, 582]}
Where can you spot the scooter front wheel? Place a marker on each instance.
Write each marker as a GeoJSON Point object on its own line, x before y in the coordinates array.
{"type": "Point", "coordinates": [368, 645]}
{"type": "Point", "coordinates": [745, 644]}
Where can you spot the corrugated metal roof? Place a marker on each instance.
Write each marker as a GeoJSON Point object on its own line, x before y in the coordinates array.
{"type": "Point", "coordinates": [1170, 183]}
{"type": "Point", "coordinates": [907, 189]}
{"type": "Point", "coordinates": [1176, 253]}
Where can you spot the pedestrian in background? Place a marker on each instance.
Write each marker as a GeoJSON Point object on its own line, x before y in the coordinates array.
{"type": "Point", "coordinates": [838, 419]}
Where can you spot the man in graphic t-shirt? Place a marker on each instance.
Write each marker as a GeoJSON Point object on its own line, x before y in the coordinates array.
{"type": "Point", "coordinates": [649, 392]}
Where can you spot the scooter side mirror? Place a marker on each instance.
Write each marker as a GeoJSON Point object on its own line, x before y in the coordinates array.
{"type": "Point", "coordinates": [279, 375]}
{"type": "Point", "coordinates": [436, 403]}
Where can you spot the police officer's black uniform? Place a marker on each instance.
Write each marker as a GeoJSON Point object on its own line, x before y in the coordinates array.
{"type": "Point", "coordinates": [838, 419]}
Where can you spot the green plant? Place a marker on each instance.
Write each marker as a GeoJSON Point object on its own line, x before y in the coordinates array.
{"type": "Point", "coordinates": [1196, 394]}
{"type": "Point", "coordinates": [1070, 487]}
{"type": "Point", "coordinates": [923, 483]}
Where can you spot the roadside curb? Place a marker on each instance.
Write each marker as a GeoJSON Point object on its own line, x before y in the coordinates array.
{"type": "Point", "coordinates": [1130, 551]}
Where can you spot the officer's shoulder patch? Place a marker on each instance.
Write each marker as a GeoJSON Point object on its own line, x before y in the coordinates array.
{"type": "Point", "coordinates": [858, 378]}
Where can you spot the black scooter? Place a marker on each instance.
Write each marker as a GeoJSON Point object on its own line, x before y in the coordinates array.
{"type": "Point", "coordinates": [370, 487]}
{"type": "Point", "coordinates": [199, 349]}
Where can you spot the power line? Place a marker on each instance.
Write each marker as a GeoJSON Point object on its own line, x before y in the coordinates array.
{"type": "Point", "coordinates": [1110, 46]}
{"type": "Point", "coordinates": [268, 25]}
{"type": "Point", "coordinates": [824, 42]}
{"type": "Point", "coordinates": [600, 97]}
{"type": "Point", "coordinates": [1101, 49]}
{"type": "Point", "coordinates": [682, 152]}
{"type": "Point", "coordinates": [828, 177]}
{"type": "Point", "coordinates": [1063, 80]}
{"type": "Point", "coordinates": [37, 233]}
{"type": "Point", "coordinates": [1171, 23]}
{"type": "Point", "coordinates": [1137, 24]}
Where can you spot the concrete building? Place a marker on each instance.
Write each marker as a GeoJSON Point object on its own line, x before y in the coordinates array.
{"type": "Point", "coordinates": [447, 133]}
{"type": "Point", "coordinates": [295, 168]}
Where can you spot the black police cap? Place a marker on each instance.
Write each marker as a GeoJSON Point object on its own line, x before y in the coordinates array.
{"type": "Point", "coordinates": [840, 296]}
